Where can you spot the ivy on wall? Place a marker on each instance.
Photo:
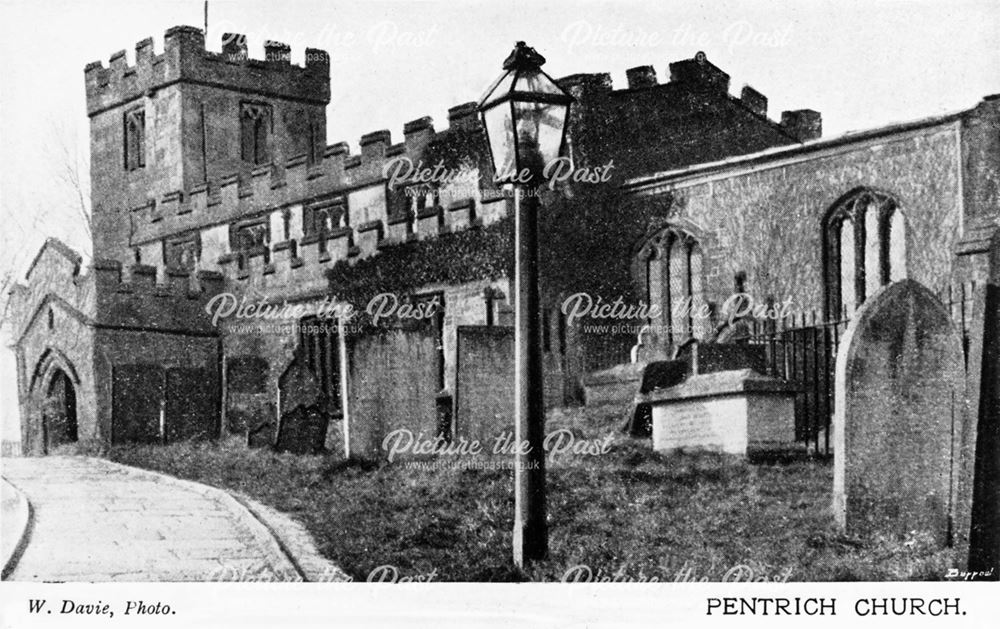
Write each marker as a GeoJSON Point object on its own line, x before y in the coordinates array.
{"type": "Point", "coordinates": [477, 253]}
{"type": "Point", "coordinates": [460, 147]}
{"type": "Point", "coordinates": [586, 244]}
{"type": "Point", "coordinates": [588, 232]}
{"type": "Point", "coordinates": [589, 236]}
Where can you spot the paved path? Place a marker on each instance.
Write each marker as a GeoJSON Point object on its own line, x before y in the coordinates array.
{"type": "Point", "coordinates": [13, 521]}
{"type": "Point", "coordinates": [93, 520]}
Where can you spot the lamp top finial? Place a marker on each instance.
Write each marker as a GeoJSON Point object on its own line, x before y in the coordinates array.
{"type": "Point", "coordinates": [523, 57]}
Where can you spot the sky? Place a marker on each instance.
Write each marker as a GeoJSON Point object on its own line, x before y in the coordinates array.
{"type": "Point", "coordinates": [862, 64]}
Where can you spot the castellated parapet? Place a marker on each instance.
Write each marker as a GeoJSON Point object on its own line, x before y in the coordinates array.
{"type": "Point", "coordinates": [109, 296]}
{"type": "Point", "coordinates": [331, 176]}
{"type": "Point", "coordinates": [299, 182]}
{"type": "Point", "coordinates": [176, 120]}
{"type": "Point", "coordinates": [141, 303]}
{"type": "Point", "coordinates": [296, 180]}
{"type": "Point", "coordinates": [185, 58]}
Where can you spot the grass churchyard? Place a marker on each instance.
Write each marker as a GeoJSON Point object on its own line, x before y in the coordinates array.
{"type": "Point", "coordinates": [629, 514]}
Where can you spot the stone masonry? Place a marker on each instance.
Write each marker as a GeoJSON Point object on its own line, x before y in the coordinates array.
{"type": "Point", "coordinates": [212, 169]}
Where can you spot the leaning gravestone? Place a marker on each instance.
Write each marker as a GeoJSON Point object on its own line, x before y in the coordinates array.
{"type": "Point", "coordinates": [899, 416]}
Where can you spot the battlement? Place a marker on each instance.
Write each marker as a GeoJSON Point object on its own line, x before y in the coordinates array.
{"type": "Point", "coordinates": [337, 177]}
{"type": "Point", "coordinates": [697, 73]}
{"type": "Point", "coordinates": [112, 275]}
{"type": "Point", "coordinates": [804, 124]}
{"type": "Point", "coordinates": [293, 268]}
{"type": "Point", "coordinates": [297, 180]}
{"type": "Point", "coordinates": [131, 297]}
{"type": "Point", "coordinates": [109, 295]}
{"type": "Point", "coordinates": [185, 59]}
{"type": "Point", "coordinates": [298, 266]}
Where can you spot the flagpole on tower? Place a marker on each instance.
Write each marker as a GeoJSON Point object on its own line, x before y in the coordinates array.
{"type": "Point", "coordinates": [206, 20]}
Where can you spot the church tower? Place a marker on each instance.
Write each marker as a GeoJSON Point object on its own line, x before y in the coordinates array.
{"type": "Point", "coordinates": [189, 117]}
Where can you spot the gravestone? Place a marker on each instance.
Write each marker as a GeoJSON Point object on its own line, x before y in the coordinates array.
{"type": "Point", "coordinates": [899, 416]}
{"type": "Point", "coordinates": [616, 385]}
{"type": "Point", "coordinates": [981, 495]}
{"type": "Point", "coordinates": [261, 435]}
{"type": "Point", "coordinates": [484, 405]}
{"type": "Point", "coordinates": [247, 396]}
{"type": "Point", "coordinates": [657, 375]}
{"type": "Point", "coordinates": [648, 347]}
{"type": "Point", "coordinates": [305, 412]}
{"type": "Point", "coordinates": [392, 385]}
{"type": "Point", "coordinates": [713, 357]}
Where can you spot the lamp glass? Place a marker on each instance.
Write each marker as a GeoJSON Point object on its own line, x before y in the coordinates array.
{"type": "Point", "coordinates": [539, 133]}
{"type": "Point", "coordinates": [536, 82]}
{"type": "Point", "coordinates": [500, 131]}
{"type": "Point", "coordinates": [524, 112]}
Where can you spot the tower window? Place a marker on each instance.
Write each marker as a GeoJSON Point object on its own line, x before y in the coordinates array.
{"type": "Point", "coordinates": [135, 139]}
{"type": "Point", "coordinates": [255, 132]}
{"type": "Point", "coordinates": [316, 143]}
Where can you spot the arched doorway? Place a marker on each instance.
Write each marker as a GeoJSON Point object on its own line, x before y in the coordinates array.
{"type": "Point", "coordinates": [52, 410]}
{"type": "Point", "coordinates": [59, 413]}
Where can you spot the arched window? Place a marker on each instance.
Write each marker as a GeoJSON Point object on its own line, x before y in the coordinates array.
{"type": "Point", "coordinates": [674, 283]}
{"type": "Point", "coordinates": [865, 242]}
{"type": "Point", "coordinates": [654, 278]}
{"type": "Point", "coordinates": [896, 243]}
{"type": "Point", "coordinates": [135, 138]}
{"type": "Point", "coordinates": [255, 132]}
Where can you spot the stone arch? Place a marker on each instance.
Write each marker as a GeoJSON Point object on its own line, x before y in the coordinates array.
{"type": "Point", "coordinates": [674, 282]}
{"type": "Point", "coordinates": [864, 248]}
{"type": "Point", "coordinates": [50, 360]}
{"type": "Point", "coordinates": [53, 400]}
{"type": "Point", "coordinates": [60, 415]}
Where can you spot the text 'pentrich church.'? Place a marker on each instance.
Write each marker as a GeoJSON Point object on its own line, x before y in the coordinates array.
{"type": "Point", "coordinates": [250, 280]}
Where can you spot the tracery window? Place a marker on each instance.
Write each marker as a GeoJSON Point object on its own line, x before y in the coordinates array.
{"type": "Point", "coordinates": [865, 247]}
